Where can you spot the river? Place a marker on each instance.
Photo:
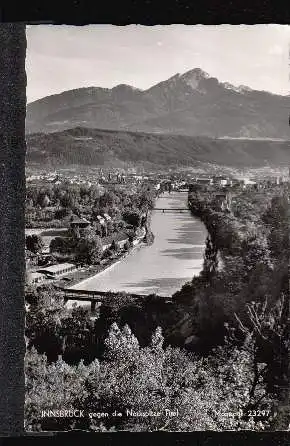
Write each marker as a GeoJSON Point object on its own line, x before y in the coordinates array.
{"type": "Point", "coordinates": [162, 268]}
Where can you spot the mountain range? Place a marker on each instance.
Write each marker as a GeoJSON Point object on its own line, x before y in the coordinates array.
{"type": "Point", "coordinates": [189, 104]}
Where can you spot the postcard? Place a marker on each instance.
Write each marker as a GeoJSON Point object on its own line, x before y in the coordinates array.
{"type": "Point", "coordinates": [157, 228]}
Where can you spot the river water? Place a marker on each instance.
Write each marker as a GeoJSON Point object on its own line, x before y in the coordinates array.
{"type": "Point", "coordinates": [162, 268]}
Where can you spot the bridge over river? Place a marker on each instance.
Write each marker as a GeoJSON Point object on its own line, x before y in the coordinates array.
{"type": "Point", "coordinates": [171, 209]}
{"type": "Point", "coordinates": [96, 298]}
{"type": "Point", "coordinates": [162, 268]}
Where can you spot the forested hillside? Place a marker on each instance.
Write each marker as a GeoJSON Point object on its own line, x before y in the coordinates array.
{"type": "Point", "coordinates": [93, 147]}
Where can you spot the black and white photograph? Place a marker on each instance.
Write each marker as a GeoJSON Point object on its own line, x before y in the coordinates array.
{"type": "Point", "coordinates": [157, 228]}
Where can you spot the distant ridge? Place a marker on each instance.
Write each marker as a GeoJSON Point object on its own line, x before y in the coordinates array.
{"type": "Point", "coordinates": [192, 104]}
{"type": "Point", "coordinates": [109, 148]}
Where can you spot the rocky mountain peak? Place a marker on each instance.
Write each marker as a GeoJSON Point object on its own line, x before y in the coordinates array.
{"type": "Point", "coordinates": [193, 78]}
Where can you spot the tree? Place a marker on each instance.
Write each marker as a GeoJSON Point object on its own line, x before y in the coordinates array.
{"type": "Point", "coordinates": [62, 245]}
{"type": "Point", "coordinates": [110, 227]}
{"type": "Point", "coordinates": [114, 247]}
{"type": "Point", "coordinates": [43, 321]}
{"type": "Point", "coordinates": [267, 329]}
{"type": "Point", "coordinates": [146, 200]}
{"type": "Point", "coordinates": [88, 250]}
{"type": "Point", "coordinates": [51, 386]}
{"type": "Point", "coordinates": [132, 218]}
{"type": "Point", "coordinates": [43, 199]}
{"type": "Point", "coordinates": [68, 200]}
{"type": "Point", "coordinates": [77, 336]}
{"type": "Point", "coordinates": [97, 228]}
{"type": "Point", "coordinates": [210, 260]}
{"type": "Point", "coordinates": [155, 379]}
{"type": "Point", "coordinates": [34, 243]}
{"type": "Point", "coordinates": [127, 246]}
{"type": "Point", "coordinates": [29, 203]}
{"type": "Point", "coordinates": [60, 214]}
{"type": "Point", "coordinates": [212, 393]}
{"type": "Point", "coordinates": [277, 221]}
{"type": "Point", "coordinates": [108, 200]}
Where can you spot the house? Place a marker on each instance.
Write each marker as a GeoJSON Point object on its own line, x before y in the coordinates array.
{"type": "Point", "coordinates": [77, 222]}
{"type": "Point", "coordinates": [235, 182]}
{"type": "Point", "coordinates": [248, 183]}
{"type": "Point", "coordinates": [36, 277]}
{"type": "Point", "coordinates": [107, 217]}
{"type": "Point", "coordinates": [101, 220]}
{"type": "Point", "coordinates": [204, 181]}
{"type": "Point", "coordinates": [55, 271]}
{"type": "Point", "coordinates": [120, 239]}
{"type": "Point", "coordinates": [281, 180]}
{"type": "Point", "coordinates": [221, 181]}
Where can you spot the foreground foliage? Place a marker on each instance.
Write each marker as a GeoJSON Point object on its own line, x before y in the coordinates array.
{"type": "Point", "coordinates": [213, 393]}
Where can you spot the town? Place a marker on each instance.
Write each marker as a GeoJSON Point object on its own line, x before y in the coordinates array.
{"type": "Point", "coordinates": [61, 208]}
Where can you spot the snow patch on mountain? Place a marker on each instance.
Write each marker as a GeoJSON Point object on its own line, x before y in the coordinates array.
{"type": "Point", "coordinates": [240, 89]}
{"type": "Point", "coordinates": [193, 78]}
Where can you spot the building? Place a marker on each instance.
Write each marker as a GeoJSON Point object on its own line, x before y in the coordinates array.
{"type": "Point", "coordinates": [36, 277]}
{"type": "Point", "coordinates": [204, 181]}
{"type": "Point", "coordinates": [140, 234]}
{"type": "Point", "coordinates": [101, 220]}
{"type": "Point", "coordinates": [246, 183]}
{"type": "Point", "coordinates": [235, 183]}
{"type": "Point", "coordinates": [120, 240]}
{"type": "Point", "coordinates": [220, 180]}
{"type": "Point", "coordinates": [55, 271]}
{"type": "Point", "coordinates": [107, 217]}
{"type": "Point", "coordinates": [77, 222]}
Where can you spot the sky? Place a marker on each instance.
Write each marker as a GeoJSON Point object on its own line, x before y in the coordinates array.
{"type": "Point", "coordinates": [61, 57]}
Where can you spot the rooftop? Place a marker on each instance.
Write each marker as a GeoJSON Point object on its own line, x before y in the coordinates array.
{"type": "Point", "coordinates": [75, 219]}
{"type": "Point", "coordinates": [56, 268]}
{"type": "Point", "coordinates": [117, 237]}
{"type": "Point", "coordinates": [36, 275]}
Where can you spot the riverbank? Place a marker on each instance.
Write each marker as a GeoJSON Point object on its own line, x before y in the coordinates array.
{"type": "Point", "coordinates": [82, 274]}
{"type": "Point", "coordinates": [164, 266]}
